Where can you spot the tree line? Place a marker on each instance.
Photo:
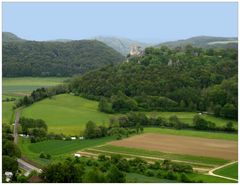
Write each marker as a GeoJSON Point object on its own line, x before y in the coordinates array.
{"type": "Point", "coordinates": [113, 169]}
{"type": "Point", "coordinates": [40, 94]}
{"type": "Point", "coordinates": [134, 123]}
{"type": "Point", "coordinates": [133, 119]}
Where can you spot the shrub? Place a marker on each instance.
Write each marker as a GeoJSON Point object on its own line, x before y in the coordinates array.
{"type": "Point", "coordinates": [114, 175]}
{"type": "Point", "coordinates": [33, 140]}
{"type": "Point", "coordinates": [149, 173]}
{"type": "Point", "coordinates": [155, 166]}
{"type": "Point", "coordinates": [123, 165]}
{"type": "Point", "coordinates": [171, 175]}
{"type": "Point", "coordinates": [22, 179]}
{"type": "Point", "coordinates": [184, 178]}
{"type": "Point", "coordinates": [48, 156]}
{"type": "Point", "coordinates": [102, 157]}
{"type": "Point", "coordinates": [119, 137]}
{"type": "Point", "coordinates": [177, 167]}
{"type": "Point", "coordinates": [42, 155]}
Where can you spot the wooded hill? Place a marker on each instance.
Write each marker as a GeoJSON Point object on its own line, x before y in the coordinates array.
{"type": "Point", "coordinates": [10, 37]}
{"type": "Point", "coordinates": [186, 79]}
{"type": "Point", "coordinates": [32, 58]}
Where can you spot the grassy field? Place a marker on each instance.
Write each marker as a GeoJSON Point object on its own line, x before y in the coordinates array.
{"type": "Point", "coordinates": [24, 85]}
{"type": "Point", "coordinates": [209, 178]}
{"type": "Point", "coordinates": [58, 149]}
{"type": "Point", "coordinates": [4, 96]}
{"type": "Point", "coordinates": [7, 112]}
{"type": "Point", "coordinates": [18, 87]}
{"type": "Point", "coordinates": [203, 134]}
{"type": "Point", "coordinates": [205, 161]}
{"type": "Point", "coordinates": [137, 178]}
{"type": "Point", "coordinates": [66, 113]}
{"type": "Point", "coordinates": [228, 171]}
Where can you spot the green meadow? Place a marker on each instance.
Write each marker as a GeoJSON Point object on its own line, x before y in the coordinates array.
{"type": "Point", "coordinates": [209, 179]}
{"type": "Point", "coordinates": [58, 149]}
{"type": "Point", "coordinates": [18, 87]}
{"type": "Point", "coordinates": [24, 85]}
{"type": "Point", "coordinates": [229, 171]}
{"type": "Point", "coordinates": [68, 114]}
{"type": "Point", "coordinates": [203, 161]}
{"type": "Point", "coordinates": [7, 112]}
{"type": "Point", "coordinates": [138, 178]}
{"type": "Point", "coordinates": [193, 133]}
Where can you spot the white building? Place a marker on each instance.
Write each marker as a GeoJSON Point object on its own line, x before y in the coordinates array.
{"type": "Point", "coordinates": [8, 176]}
{"type": "Point", "coordinates": [77, 155]}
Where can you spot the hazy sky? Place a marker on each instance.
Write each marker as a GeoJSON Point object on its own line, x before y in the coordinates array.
{"type": "Point", "coordinates": [141, 21]}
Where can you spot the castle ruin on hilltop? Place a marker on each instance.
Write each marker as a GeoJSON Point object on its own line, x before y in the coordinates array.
{"type": "Point", "coordinates": [136, 50]}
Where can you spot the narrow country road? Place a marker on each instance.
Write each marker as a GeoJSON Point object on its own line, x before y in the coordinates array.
{"type": "Point", "coordinates": [27, 167]}
{"type": "Point", "coordinates": [22, 164]}
{"type": "Point", "coordinates": [15, 130]}
{"type": "Point", "coordinates": [211, 171]}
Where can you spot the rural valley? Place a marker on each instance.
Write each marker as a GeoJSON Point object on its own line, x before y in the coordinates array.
{"type": "Point", "coordinates": [106, 109]}
{"type": "Point", "coordinates": [119, 115]}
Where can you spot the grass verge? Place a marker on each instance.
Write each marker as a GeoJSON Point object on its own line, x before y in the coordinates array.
{"type": "Point", "coordinates": [228, 171]}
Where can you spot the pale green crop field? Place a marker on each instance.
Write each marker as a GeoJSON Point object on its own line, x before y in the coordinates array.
{"type": "Point", "coordinates": [228, 171]}
{"type": "Point", "coordinates": [58, 149]}
{"type": "Point", "coordinates": [24, 85]}
{"type": "Point", "coordinates": [7, 112]}
{"type": "Point", "coordinates": [193, 133]}
{"type": "Point", "coordinates": [67, 114]}
{"type": "Point", "coordinates": [21, 86]}
{"type": "Point", "coordinates": [138, 178]}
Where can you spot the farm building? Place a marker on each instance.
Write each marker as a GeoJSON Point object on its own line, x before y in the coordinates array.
{"type": "Point", "coordinates": [77, 155]}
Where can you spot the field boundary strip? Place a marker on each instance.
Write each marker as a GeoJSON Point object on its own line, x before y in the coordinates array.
{"type": "Point", "coordinates": [211, 172]}
{"type": "Point", "coordinates": [161, 155]}
{"type": "Point", "coordinates": [146, 157]}
{"type": "Point", "coordinates": [94, 155]}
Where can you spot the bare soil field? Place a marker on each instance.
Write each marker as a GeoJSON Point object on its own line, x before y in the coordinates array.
{"type": "Point", "coordinates": [182, 145]}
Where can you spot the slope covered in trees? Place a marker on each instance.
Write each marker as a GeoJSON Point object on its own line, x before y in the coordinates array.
{"type": "Point", "coordinates": [31, 58]}
{"type": "Point", "coordinates": [187, 79]}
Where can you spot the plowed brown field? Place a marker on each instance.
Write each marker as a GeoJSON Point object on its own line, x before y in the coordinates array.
{"type": "Point", "coordinates": [182, 145]}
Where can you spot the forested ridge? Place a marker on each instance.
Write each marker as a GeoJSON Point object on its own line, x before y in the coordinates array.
{"type": "Point", "coordinates": [180, 79]}
{"type": "Point", "coordinates": [31, 58]}
{"type": "Point", "coordinates": [204, 42]}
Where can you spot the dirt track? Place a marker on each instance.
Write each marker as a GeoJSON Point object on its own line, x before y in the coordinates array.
{"type": "Point", "coordinates": [183, 145]}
